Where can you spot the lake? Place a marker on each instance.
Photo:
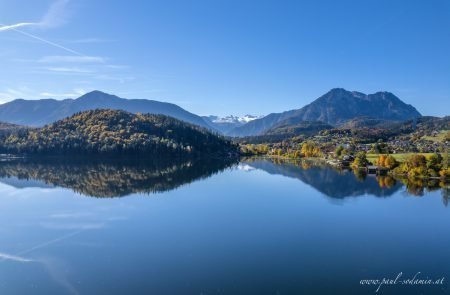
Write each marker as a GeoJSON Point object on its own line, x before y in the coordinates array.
{"type": "Point", "coordinates": [207, 227]}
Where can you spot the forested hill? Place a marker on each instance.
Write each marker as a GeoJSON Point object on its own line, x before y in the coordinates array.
{"type": "Point", "coordinates": [114, 131]}
{"type": "Point", "coordinates": [7, 129]}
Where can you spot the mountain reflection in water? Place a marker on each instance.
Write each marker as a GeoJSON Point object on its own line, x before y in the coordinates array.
{"type": "Point", "coordinates": [118, 178]}
{"type": "Point", "coordinates": [340, 184]}
{"type": "Point", "coordinates": [109, 178]}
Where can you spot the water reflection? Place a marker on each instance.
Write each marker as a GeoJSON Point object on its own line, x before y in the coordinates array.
{"type": "Point", "coordinates": [117, 178]}
{"type": "Point", "coordinates": [108, 178]}
{"type": "Point", "coordinates": [236, 233]}
{"type": "Point", "coordinates": [418, 187]}
{"type": "Point", "coordinates": [339, 184]}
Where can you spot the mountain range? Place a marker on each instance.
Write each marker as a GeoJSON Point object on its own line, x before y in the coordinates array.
{"type": "Point", "coordinates": [37, 113]}
{"type": "Point", "coordinates": [336, 108]}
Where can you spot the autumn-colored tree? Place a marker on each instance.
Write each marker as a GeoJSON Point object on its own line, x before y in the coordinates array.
{"type": "Point", "coordinates": [416, 161]}
{"type": "Point", "coordinates": [390, 162]}
{"type": "Point", "coordinates": [381, 161]}
{"type": "Point", "coordinates": [360, 160]}
{"type": "Point", "coordinates": [386, 181]}
{"type": "Point", "coordinates": [445, 173]}
{"type": "Point", "coordinates": [316, 152]}
{"type": "Point", "coordinates": [306, 149]}
{"type": "Point", "coordinates": [310, 149]}
{"type": "Point", "coordinates": [114, 131]}
{"type": "Point", "coordinates": [418, 172]}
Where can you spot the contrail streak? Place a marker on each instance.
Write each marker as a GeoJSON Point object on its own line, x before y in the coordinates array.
{"type": "Point", "coordinates": [51, 242]}
{"type": "Point", "coordinates": [12, 27]}
{"type": "Point", "coordinates": [18, 257]}
{"type": "Point", "coordinates": [52, 18]}
{"type": "Point", "coordinates": [43, 40]}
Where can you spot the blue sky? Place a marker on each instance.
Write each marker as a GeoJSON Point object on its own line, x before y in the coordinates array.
{"type": "Point", "coordinates": [227, 57]}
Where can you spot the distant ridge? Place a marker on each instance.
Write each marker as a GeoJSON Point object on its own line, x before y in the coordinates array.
{"type": "Point", "coordinates": [335, 108]}
{"type": "Point", "coordinates": [45, 111]}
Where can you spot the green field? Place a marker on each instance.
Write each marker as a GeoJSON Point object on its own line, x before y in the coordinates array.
{"type": "Point", "coordinates": [441, 137]}
{"type": "Point", "coordinates": [399, 157]}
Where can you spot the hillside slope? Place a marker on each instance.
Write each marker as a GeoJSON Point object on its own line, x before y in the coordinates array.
{"type": "Point", "coordinates": [336, 108]}
{"type": "Point", "coordinates": [45, 111]}
{"type": "Point", "coordinates": [305, 128]}
{"type": "Point", "coordinates": [113, 131]}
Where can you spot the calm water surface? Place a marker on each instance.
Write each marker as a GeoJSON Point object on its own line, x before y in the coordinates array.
{"type": "Point", "coordinates": [257, 227]}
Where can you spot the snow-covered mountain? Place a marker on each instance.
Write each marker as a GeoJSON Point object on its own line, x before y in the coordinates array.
{"type": "Point", "coordinates": [248, 118]}
{"type": "Point", "coordinates": [225, 124]}
{"type": "Point", "coordinates": [232, 119]}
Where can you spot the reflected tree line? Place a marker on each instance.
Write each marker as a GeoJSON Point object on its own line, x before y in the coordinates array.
{"type": "Point", "coordinates": [106, 178]}
{"type": "Point", "coordinates": [343, 183]}
{"type": "Point", "coordinates": [414, 186]}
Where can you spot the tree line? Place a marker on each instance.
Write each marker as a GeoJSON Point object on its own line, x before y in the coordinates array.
{"type": "Point", "coordinates": [114, 131]}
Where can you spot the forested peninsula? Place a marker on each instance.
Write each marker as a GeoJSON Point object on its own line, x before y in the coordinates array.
{"type": "Point", "coordinates": [109, 132]}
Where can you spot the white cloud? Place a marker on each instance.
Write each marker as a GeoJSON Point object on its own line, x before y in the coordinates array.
{"type": "Point", "coordinates": [55, 16]}
{"type": "Point", "coordinates": [72, 59]}
{"type": "Point", "coordinates": [117, 66]}
{"type": "Point", "coordinates": [13, 93]}
{"type": "Point", "coordinates": [9, 94]}
{"type": "Point", "coordinates": [120, 79]}
{"type": "Point", "coordinates": [97, 67]}
{"type": "Point", "coordinates": [5, 97]}
{"type": "Point", "coordinates": [68, 70]}
{"type": "Point", "coordinates": [74, 93]}
{"type": "Point", "coordinates": [71, 215]}
{"type": "Point", "coordinates": [74, 225]}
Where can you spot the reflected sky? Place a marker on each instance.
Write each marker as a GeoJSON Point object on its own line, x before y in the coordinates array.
{"type": "Point", "coordinates": [245, 230]}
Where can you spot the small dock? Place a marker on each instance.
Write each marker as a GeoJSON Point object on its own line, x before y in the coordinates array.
{"type": "Point", "coordinates": [376, 170]}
